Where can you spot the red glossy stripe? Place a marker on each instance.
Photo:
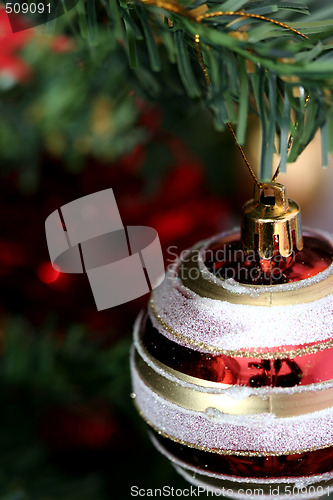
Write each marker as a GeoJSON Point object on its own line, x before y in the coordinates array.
{"type": "Point", "coordinates": [226, 259]}
{"type": "Point", "coordinates": [251, 372]}
{"type": "Point", "coordinates": [301, 464]}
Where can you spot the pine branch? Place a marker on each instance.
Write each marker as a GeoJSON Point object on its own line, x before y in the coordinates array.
{"type": "Point", "coordinates": [301, 66]}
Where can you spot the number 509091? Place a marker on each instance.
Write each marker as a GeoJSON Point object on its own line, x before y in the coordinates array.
{"type": "Point", "coordinates": [25, 8]}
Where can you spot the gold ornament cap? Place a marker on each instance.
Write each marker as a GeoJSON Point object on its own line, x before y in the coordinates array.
{"type": "Point", "coordinates": [270, 213]}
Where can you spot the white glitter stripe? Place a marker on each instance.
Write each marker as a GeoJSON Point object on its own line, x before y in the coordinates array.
{"type": "Point", "coordinates": [236, 326]}
{"type": "Point", "coordinates": [262, 433]}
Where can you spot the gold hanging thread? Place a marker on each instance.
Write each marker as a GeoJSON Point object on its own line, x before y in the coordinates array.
{"type": "Point", "coordinates": [195, 15]}
{"type": "Point", "coordinates": [200, 58]}
{"type": "Point", "coordinates": [247, 163]}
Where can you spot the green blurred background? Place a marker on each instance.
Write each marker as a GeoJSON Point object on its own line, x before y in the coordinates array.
{"type": "Point", "coordinates": [71, 126]}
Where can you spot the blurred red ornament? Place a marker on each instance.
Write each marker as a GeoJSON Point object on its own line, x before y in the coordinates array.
{"type": "Point", "coordinates": [11, 256]}
{"type": "Point", "coordinates": [9, 40]}
{"type": "Point", "coordinates": [46, 273]}
{"type": "Point", "coordinates": [62, 44]}
{"type": "Point", "coordinates": [79, 427]}
{"type": "Point", "coordinates": [12, 67]}
{"type": "Point", "coordinates": [134, 161]}
{"type": "Point", "coordinates": [151, 116]}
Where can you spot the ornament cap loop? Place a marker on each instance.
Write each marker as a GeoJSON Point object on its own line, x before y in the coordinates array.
{"type": "Point", "coordinates": [270, 218]}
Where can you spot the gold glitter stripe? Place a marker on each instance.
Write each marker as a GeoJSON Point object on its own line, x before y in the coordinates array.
{"type": "Point", "coordinates": [279, 405]}
{"type": "Point", "coordinates": [202, 346]}
{"type": "Point", "coordinates": [217, 451]}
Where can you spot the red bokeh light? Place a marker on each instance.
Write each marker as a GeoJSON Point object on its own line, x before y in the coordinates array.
{"type": "Point", "coordinates": [47, 274]}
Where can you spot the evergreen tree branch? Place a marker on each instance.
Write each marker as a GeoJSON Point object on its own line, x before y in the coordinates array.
{"type": "Point", "coordinates": [291, 40]}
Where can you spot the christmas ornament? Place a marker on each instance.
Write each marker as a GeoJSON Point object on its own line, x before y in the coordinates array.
{"type": "Point", "coordinates": [232, 362]}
